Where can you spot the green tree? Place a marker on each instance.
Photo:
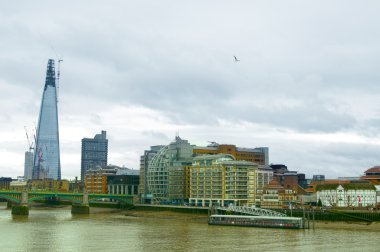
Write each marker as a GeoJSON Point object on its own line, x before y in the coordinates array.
{"type": "Point", "coordinates": [319, 202]}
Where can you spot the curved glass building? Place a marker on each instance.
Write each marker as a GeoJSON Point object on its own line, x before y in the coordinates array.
{"type": "Point", "coordinates": [166, 172]}
{"type": "Point", "coordinates": [47, 162]}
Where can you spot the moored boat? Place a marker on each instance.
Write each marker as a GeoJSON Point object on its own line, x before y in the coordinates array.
{"type": "Point", "coordinates": [256, 221]}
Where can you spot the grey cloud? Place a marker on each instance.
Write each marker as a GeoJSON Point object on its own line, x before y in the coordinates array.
{"type": "Point", "coordinates": [159, 136]}
{"type": "Point", "coordinates": [354, 151]}
{"type": "Point", "coordinates": [333, 160]}
{"type": "Point", "coordinates": [301, 63]}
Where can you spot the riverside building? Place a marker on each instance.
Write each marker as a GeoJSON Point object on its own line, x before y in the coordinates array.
{"type": "Point", "coordinates": [372, 175]}
{"type": "Point", "coordinates": [145, 195]}
{"type": "Point", "coordinates": [48, 185]}
{"type": "Point", "coordinates": [354, 194]}
{"type": "Point", "coordinates": [166, 173]}
{"type": "Point", "coordinates": [112, 179]}
{"type": "Point", "coordinates": [123, 184]}
{"type": "Point", "coordinates": [96, 179]}
{"type": "Point", "coordinates": [274, 195]}
{"type": "Point", "coordinates": [221, 179]}
{"type": "Point", "coordinates": [5, 183]}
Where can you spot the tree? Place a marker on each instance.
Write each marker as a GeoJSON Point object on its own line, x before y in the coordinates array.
{"type": "Point", "coordinates": [319, 202]}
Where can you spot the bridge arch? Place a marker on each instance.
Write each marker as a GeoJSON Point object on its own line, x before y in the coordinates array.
{"type": "Point", "coordinates": [70, 199]}
{"type": "Point", "coordinates": [10, 198]}
{"type": "Point", "coordinates": [58, 197]}
{"type": "Point", "coordinates": [92, 198]}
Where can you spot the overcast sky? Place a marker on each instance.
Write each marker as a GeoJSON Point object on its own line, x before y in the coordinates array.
{"type": "Point", "coordinates": [307, 84]}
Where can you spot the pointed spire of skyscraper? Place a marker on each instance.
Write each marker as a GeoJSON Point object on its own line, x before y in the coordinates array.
{"type": "Point", "coordinates": [50, 74]}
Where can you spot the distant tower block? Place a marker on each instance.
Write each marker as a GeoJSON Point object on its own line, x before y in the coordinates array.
{"type": "Point", "coordinates": [47, 162]}
{"type": "Point", "coordinates": [28, 165]}
{"type": "Point", "coordinates": [94, 153]}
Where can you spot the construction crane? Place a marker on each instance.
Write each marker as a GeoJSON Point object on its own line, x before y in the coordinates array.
{"type": "Point", "coordinates": [58, 75]}
{"type": "Point", "coordinates": [39, 160]}
{"type": "Point", "coordinates": [29, 143]}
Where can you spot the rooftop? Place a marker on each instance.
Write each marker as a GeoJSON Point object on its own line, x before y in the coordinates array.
{"type": "Point", "coordinates": [375, 169]}
{"type": "Point", "coordinates": [350, 186]}
{"type": "Point", "coordinates": [214, 157]}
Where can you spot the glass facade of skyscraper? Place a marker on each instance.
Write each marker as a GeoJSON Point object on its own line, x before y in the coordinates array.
{"type": "Point", "coordinates": [47, 162]}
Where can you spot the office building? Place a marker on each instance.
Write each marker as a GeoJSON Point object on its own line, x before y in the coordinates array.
{"type": "Point", "coordinates": [28, 165]}
{"type": "Point", "coordinates": [279, 168]}
{"type": "Point", "coordinates": [123, 184]}
{"type": "Point", "coordinates": [289, 179]}
{"type": "Point", "coordinates": [94, 153]}
{"type": "Point", "coordinates": [48, 185]}
{"type": "Point", "coordinates": [5, 183]}
{"type": "Point", "coordinates": [318, 177]}
{"type": "Point", "coordinates": [256, 155]}
{"type": "Point", "coordinates": [47, 162]}
{"type": "Point", "coordinates": [18, 186]}
{"type": "Point", "coordinates": [112, 179]}
{"type": "Point", "coordinates": [96, 179]}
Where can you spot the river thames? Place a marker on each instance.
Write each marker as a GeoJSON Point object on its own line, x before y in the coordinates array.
{"type": "Point", "coordinates": [57, 230]}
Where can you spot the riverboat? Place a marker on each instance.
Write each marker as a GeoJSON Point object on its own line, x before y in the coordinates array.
{"type": "Point", "coordinates": [256, 221]}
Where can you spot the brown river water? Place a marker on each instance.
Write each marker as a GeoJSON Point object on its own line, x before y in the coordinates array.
{"type": "Point", "coordinates": [104, 230]}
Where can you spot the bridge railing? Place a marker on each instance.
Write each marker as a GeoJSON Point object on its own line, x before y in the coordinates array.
{"type": "Point", "coordinates": [251, 211]}
{"type": "Point", "coordinates": [16, 196]}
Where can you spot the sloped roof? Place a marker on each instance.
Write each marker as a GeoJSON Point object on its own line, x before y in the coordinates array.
{"type": "Point", "coordinates": [373, 170]}
{"type": "Point", "coordinates": [301, 190]}
{"type": "Point", "coordinates": [274, 184]}
{"type": "Point", "coordinates": [351, 186]}
{"type": "Point", "coordinates": [313, 185]}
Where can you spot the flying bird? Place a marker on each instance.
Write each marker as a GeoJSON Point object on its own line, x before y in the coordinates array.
{"type": "Point", "coordinates": [236, 59]}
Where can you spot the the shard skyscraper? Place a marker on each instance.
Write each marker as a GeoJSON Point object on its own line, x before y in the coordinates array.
{"type": "Point", "coordinates": [47, 164]}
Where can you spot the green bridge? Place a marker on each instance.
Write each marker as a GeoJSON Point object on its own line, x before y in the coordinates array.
{"type": "Point", "coordinates": [80, 201]}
